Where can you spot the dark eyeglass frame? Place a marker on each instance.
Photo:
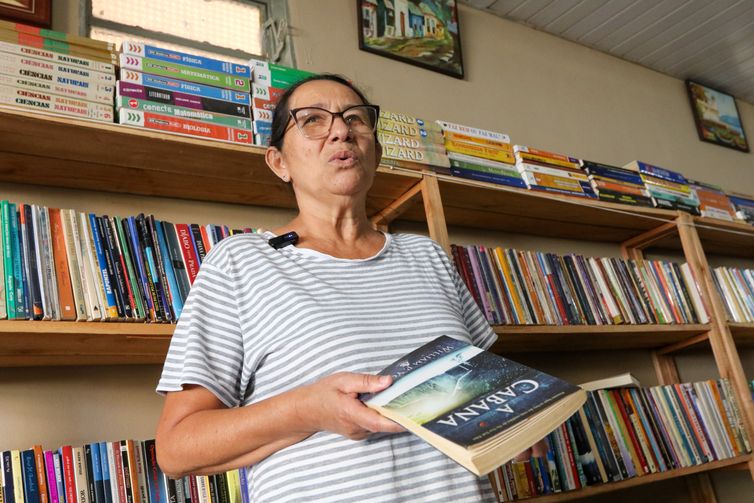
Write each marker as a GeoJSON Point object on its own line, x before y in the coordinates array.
{"type": "Point", "coordinates": [292, 112]}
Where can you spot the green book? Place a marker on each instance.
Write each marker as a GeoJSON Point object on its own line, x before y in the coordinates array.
{"type": "Point", "coordinates": [10, 282]}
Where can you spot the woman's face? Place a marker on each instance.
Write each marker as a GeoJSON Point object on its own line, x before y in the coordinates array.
{"type": "Point", "coordinates": [342, 163]}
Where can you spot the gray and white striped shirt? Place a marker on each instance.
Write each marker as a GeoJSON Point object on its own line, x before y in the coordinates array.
{"type": "Point", "coordinates": [261, 321]}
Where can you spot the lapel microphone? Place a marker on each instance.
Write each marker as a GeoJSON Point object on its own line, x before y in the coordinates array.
{"type": "Point", "coordinates": [283, 240]}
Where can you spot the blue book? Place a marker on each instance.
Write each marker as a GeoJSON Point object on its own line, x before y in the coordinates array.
{"type": "Point", "coordinates": [202, 90]}
{"type": "Point", "coordinates": [656, 171]}
{"type": "Point", "coordinates": [101, 448]}
{"type": "Point", "coordinates": [111, 308]}
{"type": "Point", "coordinates": [99, 483]}
{"type": "Point", "coordinates": [182, 58]}
{"type": "Point", "coordinates": [619, 174]}
{"type": "Point", "coordinates": [175, 294]}
{"type": "Point", "coordinates": [29, 467]}
{"type": "Point", "coordinates": [482, 176]}
{"type": "Point", "coordinates": [8, 488]}
{"type": "Point", "coordinates": [468, 402]}
{"type": "Point", "coordinates": [138, 252]}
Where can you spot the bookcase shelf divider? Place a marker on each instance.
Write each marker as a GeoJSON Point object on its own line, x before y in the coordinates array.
{"type": "Point", "coordinates": [433, 207]}
{"type": "Point", "coordinates": [393, 210]}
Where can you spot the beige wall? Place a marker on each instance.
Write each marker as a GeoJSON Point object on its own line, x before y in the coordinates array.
{"type": "Point", "coordinates": [541, 90]}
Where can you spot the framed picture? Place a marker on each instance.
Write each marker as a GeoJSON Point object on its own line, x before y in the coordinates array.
{"type": "Point", "coordinates": [424, 33]}
{"type": "Point", "coordinates": [716, 116]}
{"type": "Point", "coordinates": [35, 12]}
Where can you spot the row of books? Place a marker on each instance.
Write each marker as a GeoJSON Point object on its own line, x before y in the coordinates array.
{"type": "Point", "coordinates": [124, 471]}
{"type": "Point", "coordinates": [268, 82]}
{"type": "Point", "coordinates": [59, 264]}
{"type": "Point", "coordinates": [539, 288]}
{"type": "Point", "coordinates": [736, 287]}
{"type": "Point", "coordinates": [488, 156]}
{"type": "Point", "coordinates": [629, 432]}
{"type": "Point", "coordinates": [176, 92]}
{"type": "Point", "coordinates": [48, 71]}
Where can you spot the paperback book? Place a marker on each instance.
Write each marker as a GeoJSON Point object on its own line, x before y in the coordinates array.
{"type": "Point", "coordinates": [476, 407]}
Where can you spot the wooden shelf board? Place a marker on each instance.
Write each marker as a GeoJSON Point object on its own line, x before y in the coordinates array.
{"type": "Point", "coordinates": [737, 462]}
{"type": "Point", "coordinates": [42, 343]}
{"type": "Point", "coordinates": [719, 237]}
{"type": "Point", "coordinates": [743, 334]}
{"type": "Point", "coordinates": [46, 150]}
{"type": "Point", "coordinates": [531, 338]}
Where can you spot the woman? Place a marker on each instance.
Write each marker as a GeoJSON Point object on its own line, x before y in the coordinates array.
{"type": "Point", "coordinates": [275, 344]}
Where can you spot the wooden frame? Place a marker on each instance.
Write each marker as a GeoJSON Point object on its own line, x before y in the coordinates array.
{"type": "Point", "coordinates": [716, 116]}
{"type": "Point", "coordinates": [398, 29]}
{"type": "Point", "coordinates": [35, 12]}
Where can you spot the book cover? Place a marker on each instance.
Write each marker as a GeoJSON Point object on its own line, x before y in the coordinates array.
{"type": "Point", "coordinates": [477, 407]}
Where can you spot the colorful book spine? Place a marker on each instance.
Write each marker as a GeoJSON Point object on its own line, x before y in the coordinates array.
{"type": "Point", "coordinates": [57, 35]}
{"type": "Point", "coordinates": [45, 102]}
{"type": "Point", "coordinates": [50, 44]}
{"type": "Point", "coordinates": [183, 113]}
{"type": "Point", "coordinates": [56, 57]}
{"type": "Point", "coordinates": [476, 134]}
{"type": "Point", "coordinates": [97, 94]}
{"type": "Point", "coordinates": [187, 73]}
{"type": "Point", "coordinates": [271, 74]}
{"type": "Point", "coordinates": [486, 152]}
{"type": "Point", "coordinates": [201, 90]}
{"type": "Point", "coordinates": [14, 64]}
{"type": "Point", "coordinates": [182, 58]}
{"type": "Point", "coordinates": [177, 98]}
{"type": "Point", "coordinates": [184, 127]}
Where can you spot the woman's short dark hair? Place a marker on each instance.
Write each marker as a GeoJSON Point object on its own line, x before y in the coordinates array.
{"type": "Point", "coordinates": [281, 115]}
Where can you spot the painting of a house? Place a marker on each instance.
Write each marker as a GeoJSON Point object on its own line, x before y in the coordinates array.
{"type": "Point", "coordinates": [421, 32]}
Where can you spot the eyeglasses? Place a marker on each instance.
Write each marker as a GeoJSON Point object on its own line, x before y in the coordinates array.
{"type": "Point", "coordinates": [315, 123]}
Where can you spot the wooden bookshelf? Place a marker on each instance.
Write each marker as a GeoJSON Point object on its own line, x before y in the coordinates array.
{"type": "Point", "coordinates": [738, 462]}
{"type": "Point", "coordinates": [743, 334]}
{"type": "Point", "coordinates": [535, 338]}
{"type": "Point", "coordinates": [43, 343]}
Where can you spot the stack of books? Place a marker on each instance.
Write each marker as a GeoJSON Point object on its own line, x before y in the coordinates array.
{"type": "Point", "coordinates": [181, 93]}
{"type": "Point", "coordinates": [123, 471]}
{"type": "Point", "coordinates": [713, 202]}
{"type": "Point", "coordinates": [743, 206]}
{"type": "Point", "coordinates": [480, 154]}
{"type": "Point", "coordinates": [551, 172]}
{"type": "Point", "coordinates": [667, 189]}
{"type": "Point", "coordinates": [616, 185]}
{"type": "Point", "coordinates": [59, 264]}
{"type": "Point", "coordinates": [411, 142]}
{"type": "Point", "coordinates": [736, 287]}
{"type": "Point", "coordinates": [50, 71]}
{"type": "Point", "coordinates": [629, 432]}
{"type": "Point", "coordinates": [268, 82]}
{"type": "Point", "coordinates": [538, 288]}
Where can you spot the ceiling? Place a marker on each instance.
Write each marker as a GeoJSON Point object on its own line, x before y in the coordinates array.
{"type": "Point", "coordinates": [710, 41]}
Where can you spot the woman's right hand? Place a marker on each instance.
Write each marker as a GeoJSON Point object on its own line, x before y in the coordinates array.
{"type": "Point", "coordinates": [332, 404]}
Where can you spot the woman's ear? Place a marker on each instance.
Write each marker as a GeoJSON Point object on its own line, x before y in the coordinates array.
{"type": "Point", "coordinates": [274, 159]}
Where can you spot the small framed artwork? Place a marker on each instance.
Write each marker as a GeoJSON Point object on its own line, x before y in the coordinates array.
{"type": "Point", "coordinates": [716, 116]}
{"type": "Point", "coordinates": [34, 12]}
{"type": "Point", "coordinates": [424, 33]}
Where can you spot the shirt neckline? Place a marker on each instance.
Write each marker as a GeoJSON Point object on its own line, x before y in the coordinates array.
{"type": "Point", "coordinates": [308, 252]}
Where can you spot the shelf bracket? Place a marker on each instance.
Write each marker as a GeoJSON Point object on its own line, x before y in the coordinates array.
{"type": "Point", "coordinates": [392, 211]}
{"type": "Point", "coordinates": [630, 247]}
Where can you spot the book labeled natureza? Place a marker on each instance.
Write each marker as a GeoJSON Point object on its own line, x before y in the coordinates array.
{"type": "Point", "coordinates": [476, 407]}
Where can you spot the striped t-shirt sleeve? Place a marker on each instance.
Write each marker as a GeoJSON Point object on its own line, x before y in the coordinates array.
{"type": "Point", "coordinates": [207, 345]}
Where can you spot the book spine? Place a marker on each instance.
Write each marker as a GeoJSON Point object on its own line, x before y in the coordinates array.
{"type": "Point", "coordinates": [111, 305]}
{"type": "Point", "coordinates": [120, 230]}
{"type": "Point", "coordinates": [170, 56]}
{"type": "Point", "coordinates": [184, 126]}
{"type": "Point", "coordinates": [200, 90]}
{"type": "Point", "coordinates": [163, 282]}
{"type": "Point", "coordinates": [46, 102]}
{"type": "Point", "coordinates": [144, 276]}
{"type": "Point", "coordinates": [105, 469]}
{"type": "Point", "coordinates": [187, 73]}
{"type": "Point", "coordinates": [170, 272]}
{"type": "Point", "coordinates": [145, 239]}
{"type": "Point", "coordinates": [126, 103]}
{"type": "Point", "coordinates": [482, 176]}
{"type": "Point", "coordinates": [483, 151]}
{"type": "Point", "coordinates": [57, 35]}
{"type": "Point", "coordinates": [18, 64]}
{"type": "Point", "coordinates": [96, 284]}
{"type": "Point", "coordinates": [111, 261]}
{"type": "Point", "coordinates": [56, 57]}
{"type": "Point", "coordinates": [20, 264]}
{"type": "Point", "coordinates": [157, 97]}
{"type": "Point", "coordinates": [50, 477]}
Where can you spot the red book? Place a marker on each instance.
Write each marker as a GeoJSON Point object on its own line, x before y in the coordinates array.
{"type": "Point", "coordinates": [205, 237]}
{"type": "Point", "coordinates": [187, 248]}
{"type": "Point", "coordinates": [621, 408]}
{"type": "Point", "coordinates": [570, 455]}
{"type": "Point", "coordinates": [118, 477]}
{"type": "Point", "coordinates": [69, 479]}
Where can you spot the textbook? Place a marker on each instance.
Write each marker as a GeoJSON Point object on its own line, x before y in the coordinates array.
{"type": "Point", "coordinates": [476, 407]}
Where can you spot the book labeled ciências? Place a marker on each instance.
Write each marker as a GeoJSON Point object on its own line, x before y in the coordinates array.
{"type": "Point", "coordinates": [476, 407]}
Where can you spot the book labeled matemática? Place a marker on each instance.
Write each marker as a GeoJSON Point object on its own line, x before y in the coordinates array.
{"type": "Point", "coordinates": [476, 407]}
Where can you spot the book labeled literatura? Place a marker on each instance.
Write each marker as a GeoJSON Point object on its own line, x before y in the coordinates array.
{"type": "Point", "coordinates": [478, 408]}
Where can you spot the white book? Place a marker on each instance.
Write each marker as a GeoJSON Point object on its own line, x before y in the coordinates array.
{"type": "Point", "coordinates": [624, 380]}
{"type": "Point", "coordinates": [113, 468]}
{"type": "Point", "coordinates": [483, 134]}
{"type": "Point", "coordinates": [98, 289]}
{"type": "Point", "coordinates": [74, 269]}
{"type": "Point", "coordinates": [79, 475]}
{"type": "Point", "coordinates": [94, 312]}
{"type": "Point", "coordinates": [607, 296]}
{"type": "Point", "coordinates": [693, 289]}
{"type": "Point", "coordinates": [42, 262]}
{"type": "Point", "coordinates": [713, 415]}
{"type": "Point", "coordinates": [523, 167]}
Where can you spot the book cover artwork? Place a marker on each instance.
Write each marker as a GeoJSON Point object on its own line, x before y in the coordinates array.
{"type": "Point", "coordinates": [464, 393]}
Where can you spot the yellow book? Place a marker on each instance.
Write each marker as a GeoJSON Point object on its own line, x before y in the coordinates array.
{"type": "Point", "coordinates": [517, 305]}
{"type": "Point", "coordinates": [460, 137]}
{"type": "Point", "coordinates": [492, 153]}
{"type": "Point", "coordinates": [527, 156]}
